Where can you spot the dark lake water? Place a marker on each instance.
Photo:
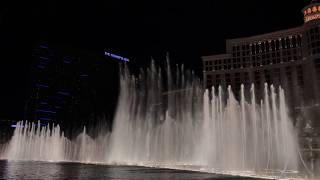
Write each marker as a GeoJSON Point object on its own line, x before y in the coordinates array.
{"type": "Point", "coordinates": [46, 170]}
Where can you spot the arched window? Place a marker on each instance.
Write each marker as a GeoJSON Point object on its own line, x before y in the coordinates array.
{"type": "Point", "coordinates": [267, 46]}
{"type": "Point", "coordinates": [277, 44]}
{"type": "Point", "coordinates": [314, 9]}
{"type": "Point", "coordinates": [273, 46]}
{"type": "Point", "coordinates": [294, 41]}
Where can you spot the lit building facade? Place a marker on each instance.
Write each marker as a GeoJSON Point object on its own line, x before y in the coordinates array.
{"type": "Point", "coordinates": [288, 58]}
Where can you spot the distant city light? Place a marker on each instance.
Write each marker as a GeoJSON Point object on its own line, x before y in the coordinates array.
{"type": "Point", "coordinates": [43, 58]}
{"type": "Point", "coordinates": [45, 119]}
{"type": "Point", "coordinates": [63, 93]}
{"type": "Point", "coordinates": [15, 126]}
{"type": "Point", "coordinates": [40, 67]}
{"type": "Point", "coordinates": [44, 46]}
{"type": "Point", "coordinates": [42, 86]}
{"type": "Point", "coordinates": [116, 56]}
{"type": "Point", "coordinates": [46, 111]}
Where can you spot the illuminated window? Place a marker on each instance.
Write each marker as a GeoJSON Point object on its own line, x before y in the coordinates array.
{"type": "Point", "coordinates": [305, 12]}
{"type": "Point", "coordinates": [294, 41]}
{"type": "Point", "coordinates": [309, 11]}
{"type": "Point", "coordinates": [314, 9]}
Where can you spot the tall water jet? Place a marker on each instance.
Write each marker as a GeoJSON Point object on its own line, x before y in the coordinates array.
{"type": "Point", "coordinates": [254, 123]}
{"type": "Point", "coordinates": [244, 126]}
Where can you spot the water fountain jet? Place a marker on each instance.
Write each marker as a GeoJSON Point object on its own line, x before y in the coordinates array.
{"type": "Point", "coordinates": [174, 123]}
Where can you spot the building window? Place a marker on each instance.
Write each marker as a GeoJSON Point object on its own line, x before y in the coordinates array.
{"type": "Point", "coordinates": [294, 42]}
{"type": "Point", "coordinates": [228, 79]}
{"type": "Point", "coordinates": [267, 76]}
{"type": "Point", "coordinates": [273, 46]}
{"type": "Point", "coordinates": [262, 47]}
{"type": "Point", "coordinates": [300, 75]}
{"type": "Point", "coordinates": [299, 40]}
{"type": "Point", "coordinates": [277, 44]}
{"type": "Point", "coordinates": [309, 11]}
{"type": "Point", "coordinates": [288, 45]}
{"type": "Point", "coordinates": [283, 43]}
{"type": "Point", "coordinates": [253, 50]}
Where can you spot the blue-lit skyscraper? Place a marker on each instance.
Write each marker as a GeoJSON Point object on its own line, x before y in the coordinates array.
{"type": "Point", "coordinates": [72, 87]}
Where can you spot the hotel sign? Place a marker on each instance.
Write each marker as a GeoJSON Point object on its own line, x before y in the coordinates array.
{"type": "Point", "coordinates": [311, 17]}
{"type": "Point", "coordinates": [116, 57]}
{"type": "Point", "coordinates": [311, 13]}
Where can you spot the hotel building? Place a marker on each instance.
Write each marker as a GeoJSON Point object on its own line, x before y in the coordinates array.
{"type": "Point", "coordinates": [289, 58]}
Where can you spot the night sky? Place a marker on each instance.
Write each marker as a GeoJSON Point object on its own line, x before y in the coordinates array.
{"type": "Point", "coordinates": [134, 29]}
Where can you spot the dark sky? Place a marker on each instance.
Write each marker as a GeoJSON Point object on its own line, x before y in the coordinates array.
{"type": "Point", "coordinates": [135, 29]}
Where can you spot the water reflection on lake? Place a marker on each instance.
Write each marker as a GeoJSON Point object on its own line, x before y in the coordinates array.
{"type": "Point", "coordinates": [47, 170]}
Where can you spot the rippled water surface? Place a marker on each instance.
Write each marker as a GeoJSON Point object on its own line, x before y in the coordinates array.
{"type": "Point", "coordinates": [46, 170]}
